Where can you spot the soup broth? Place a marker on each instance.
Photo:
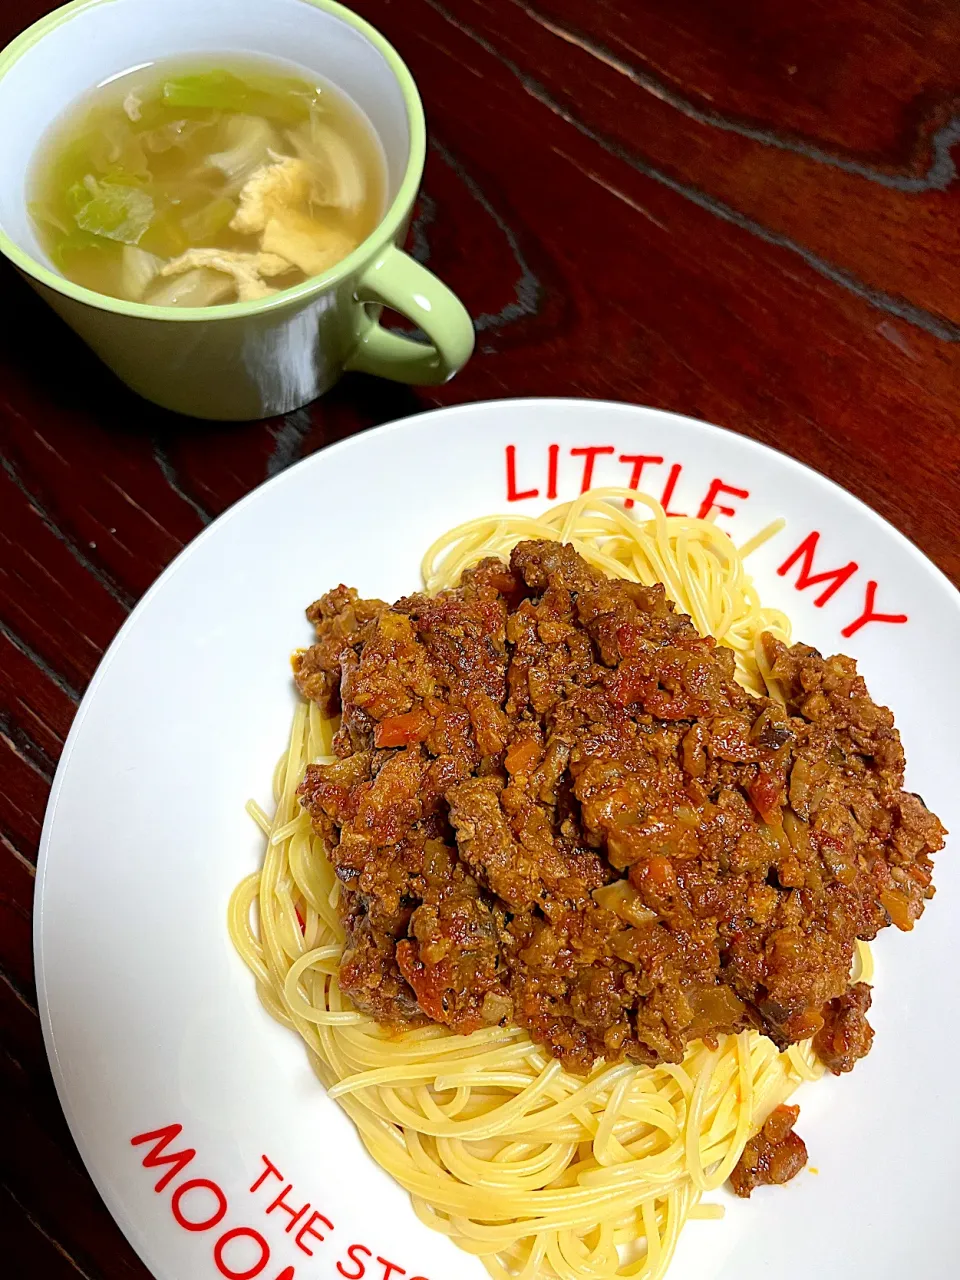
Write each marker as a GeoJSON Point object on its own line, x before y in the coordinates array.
{"type": "Point", "coordinates": [204, 182]}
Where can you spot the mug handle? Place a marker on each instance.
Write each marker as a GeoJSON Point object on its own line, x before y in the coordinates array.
{"type": "Point", "coordinates": [396, 280]}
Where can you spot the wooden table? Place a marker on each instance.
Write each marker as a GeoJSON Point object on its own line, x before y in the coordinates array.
{"type": "Point", "coordinates": [737, 209]}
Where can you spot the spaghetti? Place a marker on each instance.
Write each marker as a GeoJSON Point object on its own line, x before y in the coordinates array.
{"type": "Point", "coordinates": [538, 1171]}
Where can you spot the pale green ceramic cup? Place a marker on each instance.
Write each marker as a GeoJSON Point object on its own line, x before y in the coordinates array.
{"type": "Point", "coordinates": [244, 359]}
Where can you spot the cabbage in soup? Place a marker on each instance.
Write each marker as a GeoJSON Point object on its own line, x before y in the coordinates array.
{"type": "Point", "coordinates": [193, 183]}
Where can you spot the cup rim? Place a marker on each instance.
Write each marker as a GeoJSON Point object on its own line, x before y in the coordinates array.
{"type": "Point", "coordinates": [382, 234]}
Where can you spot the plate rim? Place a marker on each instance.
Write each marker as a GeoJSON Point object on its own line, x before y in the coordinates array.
{"type": "Point", "coordinates": [411, 422]}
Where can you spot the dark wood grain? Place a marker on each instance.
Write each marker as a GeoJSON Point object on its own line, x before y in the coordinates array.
{"type": "Point", "coordinates": [737, 209]}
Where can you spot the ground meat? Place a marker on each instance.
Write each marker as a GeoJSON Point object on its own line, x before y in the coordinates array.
{"type": "Point", "coordinates": [773, 1156]}
{"type": "Point", "coordinates": [554, 805]}
{"type": "Point", "coordinates": [340, 618]}
{"type": "Point", "coordinates": [846, 1035]}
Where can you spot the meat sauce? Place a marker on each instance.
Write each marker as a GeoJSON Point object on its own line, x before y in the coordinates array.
{"type": "Point", "coordinates": [772, 1156]}
{"type": "Point", "coordinates": [552, 805]}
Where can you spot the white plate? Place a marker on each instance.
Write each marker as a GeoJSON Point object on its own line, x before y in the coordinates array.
{"type": "Point", "coordinates": [151, 1019]}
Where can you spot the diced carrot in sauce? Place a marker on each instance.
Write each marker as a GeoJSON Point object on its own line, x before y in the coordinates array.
{"type": "Point", "coordinates": [659, 871]}
{"type": "Point", "coordinates": [522, 756]}
{"type": "Point", "coordinates": [400, 731]}
{"type": "Point", "coordinates": [897, 907]}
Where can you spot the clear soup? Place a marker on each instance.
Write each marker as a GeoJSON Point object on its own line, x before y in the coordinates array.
{"type": "Point", "coordinates": [194, 183]}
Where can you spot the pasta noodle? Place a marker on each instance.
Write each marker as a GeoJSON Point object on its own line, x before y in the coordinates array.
{"type": "Point", "coordinates": [536, 1170]}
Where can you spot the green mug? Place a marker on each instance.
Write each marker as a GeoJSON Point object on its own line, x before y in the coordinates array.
{"type": "Point", "coordinates": [240, 360]}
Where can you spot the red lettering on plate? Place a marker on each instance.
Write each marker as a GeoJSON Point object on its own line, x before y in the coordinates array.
{"type": "Point", "coordinates": [153, 1159]}
{"type": "Point", "coordinates": [513, 493]}
{"type": "Point", "coordinates": [553, 453]}
{"type": "Point", "coordinates": [835, 577]}
{"type": "Point", "coordinates": [668, 489]}
{"type": "Point", "coordinates": [270, 1168]}
{"type": "Point", "coordinates": [358, 1262]}
{"type": "Point", "coordinates": [203, 1224]}
{"type": "Point", "coordinates": [713, 493]}
{"type": "Point", "coordinates": [249, 1234]}
{"type": "Point", "coordinates": [638, 461]}
{"type": "Point", "coordinates": [390, 1267]}
{"type": "Point", "coordinates": [286, 1274]}
{"type": "Point", "coordinates": [589, 454]}
{"type": "Point", "coordinates": [307, 1230]}
{"type": "Point", "coordinates": [868, 614]}
{"type": "Point", "coordinates": [280, 1203]}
